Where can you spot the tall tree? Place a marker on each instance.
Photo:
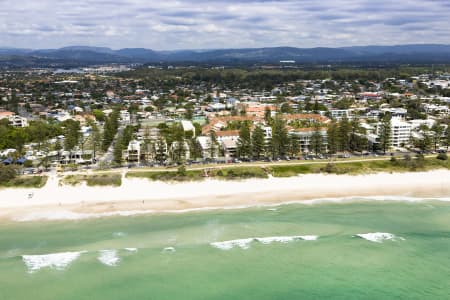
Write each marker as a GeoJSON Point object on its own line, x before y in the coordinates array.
{"type": "Point", "coordinates": [333, 137]}
{"type": "Point", "coordinates": [71, 134]}
{"type": "Point", "coordinates": [244, 142]}
{"type": "Point", "coordinates": [316, 143]}
{"type": "Point", "coordinates": [161, 150]}
{"type": "Point", "coordinates": [385, 133]}
{"type": "Point", "coordinates": [268, 115]}
{"type": "Point", "coordinates": [344, 133]}
{"type": "Point", "coordinates": [195, 148]}
{"type": "Point", "coordinates": [258, 142]}
{"type": "Point", "coordinates": [280, 138]}
{"type": "Point", "coordinates": [294, 146]}
{"type": "Point", "coordinates": [179, 151]}
{"type": "Point", "coordinates": [213, 147]}
{"type": "Point", "coordinates": [438, 131]}
{"type": "Point", "coordinates": [355, 139]}
{"type": "Point", "coordinates": [110, 129]}
{"type": "Point", "coordinates": [447, 136]}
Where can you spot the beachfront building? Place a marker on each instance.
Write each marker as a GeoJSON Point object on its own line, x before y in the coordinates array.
{"type": "Point", "coordinates": [74, 157]}
{"type": "Point", "coordinates": [205, 146]}
{"type": "Point", "coordinates": [400, 133]}
{"type": "Point", "coordinates": [133, 152]}
{"type": "Point", "coordinates": [229, 148]}
{"type": "Point", "coordinates": [179, 151]}
{"type": "Point", "coordinates": [303, 135]}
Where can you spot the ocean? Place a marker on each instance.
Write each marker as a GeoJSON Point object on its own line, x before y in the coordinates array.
{"type": "Point", "coordinates": [358, 250]}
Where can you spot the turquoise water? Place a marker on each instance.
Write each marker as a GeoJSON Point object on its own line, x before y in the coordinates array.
{"type": "Point", "coordinates": [175, 258]}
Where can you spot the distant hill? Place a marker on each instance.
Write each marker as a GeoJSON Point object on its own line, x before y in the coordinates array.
{"type": "Point", "coordinates": [84, 55]}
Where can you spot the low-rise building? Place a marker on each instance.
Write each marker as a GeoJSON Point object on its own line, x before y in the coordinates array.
{"type": "Point", "coordinates": [133, 152]}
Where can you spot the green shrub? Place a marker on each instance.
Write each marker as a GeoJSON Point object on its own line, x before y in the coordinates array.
{"type": "Point", "coordinates": [442, 156]}
{"type": "Point", "coordinates": [7, 173]}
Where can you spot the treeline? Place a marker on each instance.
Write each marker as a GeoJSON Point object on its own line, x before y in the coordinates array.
{"type": "Point", "coordinates": [39, 132]}
{"type": "Point", "coordinates": [110, 129]}
{"type": "Point", "coordinates": [339, 136]}
{"type": "Point", "coordinates": [255, 78]}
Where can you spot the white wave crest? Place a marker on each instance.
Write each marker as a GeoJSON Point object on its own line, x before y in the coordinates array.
{"type": "Point", "coordinates": [227, 245]}
{"type": "Point", "coordinates": [109, 257]}
{"type": "Point", "coordinates": [245, 243]}
{"type": "Point", "coordinates": [285, 239]}
{"type": "Point", "coordinates": [169, 249]}
{"type": "Point", "coordinates": [378, 237]}
{"type": "Point", "coordinates": [58, 261]}
{"type": "Point", "coordinates": [131, 249]}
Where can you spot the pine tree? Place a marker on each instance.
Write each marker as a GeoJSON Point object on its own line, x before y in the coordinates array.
{"type": "Point", "coordinates": [258, 142]}
{"type": "Point", "coordinates": [317, 140]}
{"type": "Point", "coordinates": [280, 139]}
{"type": "Point", "coordinates": [267, 115]}
{"type": "Point", "coordinates": [447, 136]}
{"type": "Point", "coordinates": [354, 138]}
{"type": "Point", "coordinates": [244, 143]}
{"type": "Point", "coordinates": [385, 133]}
{"type": "Point", "coordinates": [333, 138]}
{"type": "Point", "coordinates": [213, 147]}
{"type": "Point", "coordinates": [161, 150]}
{"type": "Point", "coordinates": [437, 130]}
{"type": "Point", "coordinates": [343, 133]}
{"type": "Point", "coordinates": [294, 146]}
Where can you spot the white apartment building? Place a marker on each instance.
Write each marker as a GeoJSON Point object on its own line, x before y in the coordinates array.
{"type": "Point", "coordinates": [133, 151]}
{"type": "Point", "coordinates": [18, 121]}
{"type": "Point", "coordinates": [400, 132]}
{"type": "Point", "coordinates": [304, 137]}
{"type": "Point", "coordinates": [339, 114]}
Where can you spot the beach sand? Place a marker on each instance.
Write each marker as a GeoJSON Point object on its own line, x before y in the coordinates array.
{"type": "Point", "coordinates": [141, 196]}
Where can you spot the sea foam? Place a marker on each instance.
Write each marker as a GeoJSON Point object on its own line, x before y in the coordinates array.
{"type": "Point", "coordinates": [109, 257]}
{"type": "Point", "coordinates": [245, 243]}
{"type": "Point", "coordinates": [58, 261]}
{"type": "Point", "coordinates": [131, 249]}
{"type": "Point", "coordinates": [169, 249]}
{"type": "Point", "coordinates": [378, 237]}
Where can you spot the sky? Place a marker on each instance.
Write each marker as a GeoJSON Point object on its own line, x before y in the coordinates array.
{"type": "Point", "coordinates": [203, 24]}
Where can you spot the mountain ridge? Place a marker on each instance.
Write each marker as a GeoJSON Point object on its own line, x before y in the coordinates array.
{"type": "Point", "coordinates": [79, 55]}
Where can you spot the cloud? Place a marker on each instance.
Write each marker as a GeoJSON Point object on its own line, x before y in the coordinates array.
{"type": "Point", "coordinates": [188, 24]}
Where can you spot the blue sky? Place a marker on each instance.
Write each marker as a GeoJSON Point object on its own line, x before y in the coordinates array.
{"type": "Point", "coordinates": [202, 24]}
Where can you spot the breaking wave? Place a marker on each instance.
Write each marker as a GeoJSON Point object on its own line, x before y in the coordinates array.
{"type": "Point", "coordinates": [131, 249]}
{"type": "Point", "coordinates": [58, 261]}
{"type": "Point", "coordinates": [245, 243]}
{"type": "Point", "coordinates": [169, 249]}
{"type": "Point", "coordinates": [378, 237]}
{"type": "Point", "coordinates": [109, 257]}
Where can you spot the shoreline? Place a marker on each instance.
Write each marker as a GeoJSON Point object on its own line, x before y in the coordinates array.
{"type": "Point", "coordinates": [141, 196]}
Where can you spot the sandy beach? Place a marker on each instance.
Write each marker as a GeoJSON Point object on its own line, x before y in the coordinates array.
{"type": "Point", "coordinates": [141, 196]}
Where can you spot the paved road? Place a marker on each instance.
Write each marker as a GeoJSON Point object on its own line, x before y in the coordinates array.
{"type": "Point", "coordinates": [109, 154]}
